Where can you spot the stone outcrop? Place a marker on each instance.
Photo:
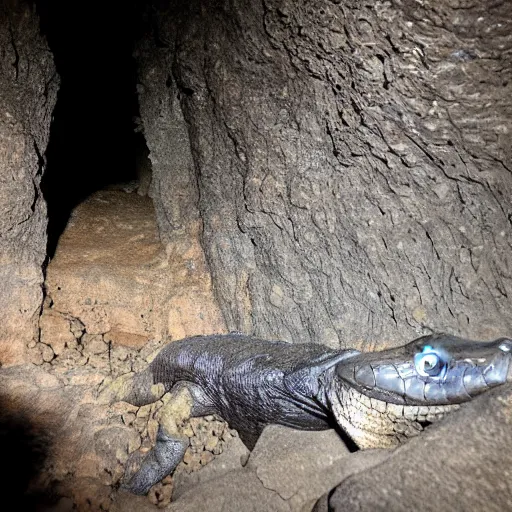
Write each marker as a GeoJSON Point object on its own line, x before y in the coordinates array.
{"type": "Point", "coordinates": [287, 471]}
{"type": "Point", "coordinates": [461, 464]}
{"type": "Point", "coordinates": [352, 164]}
{"type": "Point", "coordinates": [28, 85]}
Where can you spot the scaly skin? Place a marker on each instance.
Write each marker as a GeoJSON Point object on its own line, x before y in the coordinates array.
{"type": "Point", "coordinates": [379, 399]}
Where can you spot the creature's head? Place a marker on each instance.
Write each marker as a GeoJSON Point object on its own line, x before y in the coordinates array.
{"type": "Point", "coordinates": [382, 398]}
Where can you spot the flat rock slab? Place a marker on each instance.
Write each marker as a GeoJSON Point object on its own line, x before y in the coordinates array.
{"type": "Point", "coordinates": [300, 466]}
{"type": "Point", "coordinates": [288, 470]}
{"type": "Point", "coordinates": [233, 458]}
{"type": "Point", "coordinates": [233, 492]}
{"type": "Point", "coordinates": [462, 464]}
{"type": "Point", "coordinates": [127, 502]}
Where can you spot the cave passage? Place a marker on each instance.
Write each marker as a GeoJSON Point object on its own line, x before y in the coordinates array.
{"type": "Point", "coordinates": [92, 139]}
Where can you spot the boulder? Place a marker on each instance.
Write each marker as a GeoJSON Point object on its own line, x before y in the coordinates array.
{"type": "Point", "coordinates": [463, 463]}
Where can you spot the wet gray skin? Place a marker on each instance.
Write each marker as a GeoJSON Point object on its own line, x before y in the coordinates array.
{"type": "Point", "coordinates": [381, 399]}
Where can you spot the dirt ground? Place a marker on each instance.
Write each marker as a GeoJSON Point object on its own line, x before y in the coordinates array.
{"type": "Point", "coordinates": [114, 296]}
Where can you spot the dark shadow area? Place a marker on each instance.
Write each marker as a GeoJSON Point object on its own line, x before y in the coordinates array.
{"type": "Point", "coordinates": [92, 134]}
{"type": "Point", "coordinates": [349, 442]}
{"type": "Point", "coordinates": [24, 451]}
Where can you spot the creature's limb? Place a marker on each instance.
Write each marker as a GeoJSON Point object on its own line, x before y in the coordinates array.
{"type": "Point", "coordinates": [182, 403]}
{"type": "Point", "coordinates": [135, 388]}
{"type": "Point", "coordinates": [158, 463]}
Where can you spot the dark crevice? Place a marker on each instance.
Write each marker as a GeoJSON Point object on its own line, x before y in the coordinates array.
{"type": "Point", "coordinates": [15, 50]}
{"type": "Point", "coordinates": [26, 446]}
{"type": "Point", "coordinates": [92, 139]}
{"type": "Point", "coordinates": [187, 91]}
{"type": "Point", "coordinates": [424, 423]}
{"type": "Point", "coordinates": [349, 442]}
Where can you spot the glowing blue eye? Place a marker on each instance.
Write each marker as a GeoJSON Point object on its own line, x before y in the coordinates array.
{"type": "Point", "coordinates": [429, 364]}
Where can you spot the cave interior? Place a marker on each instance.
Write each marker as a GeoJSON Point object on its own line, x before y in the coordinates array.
{"type": "Point", "coordinates": [95, 134]}
{"type": "Point", "coordinates": [335, 173]}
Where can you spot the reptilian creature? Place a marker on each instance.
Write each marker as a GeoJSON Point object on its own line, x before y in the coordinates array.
{"type": "Point", "coordinates": [379, 399]}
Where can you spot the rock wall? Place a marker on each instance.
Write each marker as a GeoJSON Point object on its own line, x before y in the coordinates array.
{"type": "Point", "coordinates": [350, 163]}
{"type": "Point", "coordinates": [28, 85]}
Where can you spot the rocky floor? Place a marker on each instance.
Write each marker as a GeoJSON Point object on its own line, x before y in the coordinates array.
{"type": "Point", "coordinates": [79, 450]}
{"type": "Point", "coordinates": [114, 296]}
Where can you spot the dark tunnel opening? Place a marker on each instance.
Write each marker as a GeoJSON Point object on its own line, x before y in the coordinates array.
{"type": "Point", "coordinates": [92, 139]}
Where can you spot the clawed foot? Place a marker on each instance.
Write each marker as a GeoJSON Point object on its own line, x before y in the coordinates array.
{"type": "Point", "coordinates": [144, 472]}
{"type": "Point", "coordinates": [132, 466]}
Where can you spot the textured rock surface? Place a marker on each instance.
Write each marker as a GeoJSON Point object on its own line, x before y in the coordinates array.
{"type": "Point", "coordinates": [232, 492]}
{"type": "Point", "coordinates": [301, 466]}
{"type": "Point", "coordinates": [63, 444]}
{"type": "Point", "coordinates": [352, 160]}
{"type": "Point", "coordinates": [288, 470]}
{"type": "Point", "coordinates": [28, 85]}
{"type": "Point", "coordinates": [233, 458]}
{"type": "Point", "coordinates": [463, 463]}
{"type": "Point", "coordinates": [112, 278]}
{"type": "Point", "coordinates": [127, 502]}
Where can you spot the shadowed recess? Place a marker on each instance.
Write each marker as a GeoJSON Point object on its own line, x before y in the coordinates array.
{"type": "Point", "coordinates": [25, 448]}
{"type": "Point", "coordinates": [92, 138]}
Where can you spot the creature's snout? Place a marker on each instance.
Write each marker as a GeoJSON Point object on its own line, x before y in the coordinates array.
{"type": "Point", "coordinates": [434, 370]}
{"type": "Point", "coordinates": [505, 345]}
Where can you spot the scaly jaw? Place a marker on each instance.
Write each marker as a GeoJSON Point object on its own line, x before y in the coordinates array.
{"type": "Point", "coordinates": [383, 398]}
{"type": "Point", "coordinates": [373, 423]}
